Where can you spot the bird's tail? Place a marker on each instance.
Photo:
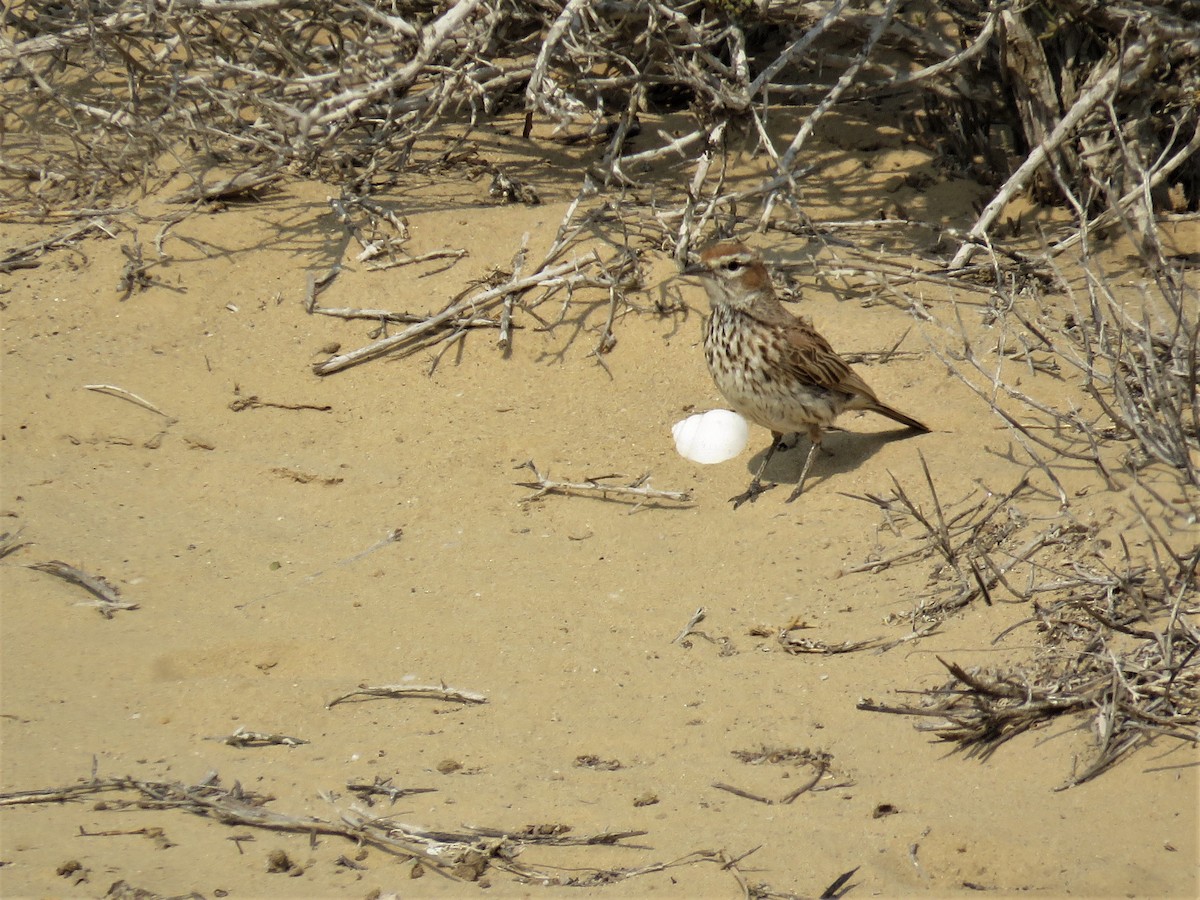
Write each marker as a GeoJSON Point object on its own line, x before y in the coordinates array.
{"type": "Point", "coordinates": [900, 417]}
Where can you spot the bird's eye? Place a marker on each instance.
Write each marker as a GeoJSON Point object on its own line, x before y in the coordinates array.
{"type": "Point", "coordinates": [733, 265]}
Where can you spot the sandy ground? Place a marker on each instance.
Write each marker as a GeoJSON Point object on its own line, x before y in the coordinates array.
{"type": "Point", "coordinates": [242, 535]}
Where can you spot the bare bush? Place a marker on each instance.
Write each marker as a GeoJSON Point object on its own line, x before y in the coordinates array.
{"type": "Point", "coordinates": [101, 95]}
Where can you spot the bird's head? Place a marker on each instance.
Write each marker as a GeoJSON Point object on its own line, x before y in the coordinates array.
{"type": "Point", "coordinates": [732, 273]}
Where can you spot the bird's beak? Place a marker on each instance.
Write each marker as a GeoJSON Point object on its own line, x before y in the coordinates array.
{"type": "Point", "coordinates": [695, 270]}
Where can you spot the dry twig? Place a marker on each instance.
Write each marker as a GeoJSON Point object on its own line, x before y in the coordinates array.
{"type": "Point", "coordinates": [403, 691]}
{"type": "Point", "coordinates": [637, 489]}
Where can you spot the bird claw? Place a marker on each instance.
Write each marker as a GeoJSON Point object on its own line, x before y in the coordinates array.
{"type": "Point", "coordinates": [751, 493]}
{"type": "Point", "coordinates": [796, 493]}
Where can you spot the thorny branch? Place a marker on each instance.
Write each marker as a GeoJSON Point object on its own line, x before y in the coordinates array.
{"type": "Point", "coordinates": [281, 86]}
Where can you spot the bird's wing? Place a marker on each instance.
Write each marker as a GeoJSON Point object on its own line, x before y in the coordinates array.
{"type": "Point", "coordinates": [811, 359]}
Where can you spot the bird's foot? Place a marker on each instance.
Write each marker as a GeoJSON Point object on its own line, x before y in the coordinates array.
{"type": "Point", "coordinates": [751, 493]}
{"type": "Point", "coordinates": [796, 493]}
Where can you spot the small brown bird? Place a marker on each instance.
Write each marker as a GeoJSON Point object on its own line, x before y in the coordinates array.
{"type": "Point", "coordinates": [772, 367]}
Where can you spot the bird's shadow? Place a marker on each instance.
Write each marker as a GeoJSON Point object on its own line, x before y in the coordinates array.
{"type": "Point", "coordinates": [841, 451]}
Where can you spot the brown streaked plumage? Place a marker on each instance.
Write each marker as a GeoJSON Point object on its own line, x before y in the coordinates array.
{"type": "Point", "coordinates": [775, 369]}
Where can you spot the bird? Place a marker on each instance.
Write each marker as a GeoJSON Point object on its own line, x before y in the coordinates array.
{"type": "Point", "coordinates": [774, 368]}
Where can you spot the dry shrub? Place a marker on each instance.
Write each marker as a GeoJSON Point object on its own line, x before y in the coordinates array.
{"type": "Point", "coordinates": [104, 95]}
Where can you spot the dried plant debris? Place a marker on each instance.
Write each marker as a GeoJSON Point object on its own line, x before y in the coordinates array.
{"type": "Point", "coordinates": [558, 835]}
{"type": "Point", "coordinates": [795, 644]}
{"type": "Point", "coordinates": [305, 477]}
{"type": "Point", "coordinates": [591, 761]}
{"type": "Point", "coordinates": [463, 855]}
{"type": "Point", "coordinates": [254, 402]}
{"type": "Point", "coordinates": [817, 760]}
{"type": "Point", "coordinates": [157, 835]}
{"type": "Point", "coordinates": [123, 890]}
{"type": "Point", "coordinates": [121, 393]}
{"type": "Point", "coordinates": [243, 737]}
{"type": "Point", "coordinates": [638, 490]}
{"type": "Point", "coordinates": [690, 628]}
{"type": "Point", "coordinates": [548, 877]}
{"type": "Point", "coordinates": [405, 691]}
{"type": "Point", "coordinates": [783, 800]}
{"type": "Point", "coordinates": [382, 787]}
{"type": "Point", "coordinates": [108, 600]}
{"type": "Point", "coordinates": [29, 256]}
{"type": "Point", "coordinates": [1118, 645]}
{"type": "Point", "coordinates": [723, 643]}
{"type": "Point", "coordinates": [10, 542]}
{"type": "Point", "coordinates": [778, 756]}
{"type": "Point", "coordinates": [550, 277]}
{"type": "Point", "coordinates": [977, 542]}
{"type": "Point", "coordinates": [1130, 668]}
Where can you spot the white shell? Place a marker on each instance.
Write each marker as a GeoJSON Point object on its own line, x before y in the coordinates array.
{"type": "Point", "coordinates": [711, 437]}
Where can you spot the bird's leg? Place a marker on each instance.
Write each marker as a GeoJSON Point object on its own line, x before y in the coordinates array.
{"type": "Point", "coordinates": [756, 486]}
{"type": "Point", "coordinates": [814, 435]}
{"type": "Point", "coordinates": [788, 441]}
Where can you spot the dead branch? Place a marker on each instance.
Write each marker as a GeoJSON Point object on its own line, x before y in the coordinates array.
{"type": "Point", "coordinates": [27, 257]}
{"type": "Point", "coordinates": [1129, 68]}
{"type": "Point", "coordinates": [637, 489]}
{"type": "Point", "coordinates": [403, 691]}
{"type": "Point", "coordinates": [383, 787]}
{"type": "Point", "coordinates": [113, 391]}
{"type": "Point", "coordinates": [565, 274]}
